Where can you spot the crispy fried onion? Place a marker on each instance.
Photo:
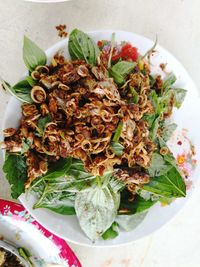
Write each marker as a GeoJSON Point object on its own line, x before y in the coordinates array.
{"type": "Point", "coordinates": [85, 107]}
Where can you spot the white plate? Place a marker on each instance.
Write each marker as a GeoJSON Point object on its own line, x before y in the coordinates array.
{"type": "Point", "coordinates": [187, 117]}
{"type": "Point", "coordinates": [20, 229]}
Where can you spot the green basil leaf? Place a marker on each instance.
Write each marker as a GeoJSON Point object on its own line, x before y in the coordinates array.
{"type": "Point", "coordinates": [158, 165]}
{"type": "Point", "coordinates": [147, 195]}
{"type": "Point", "coordinates": [26, 143]}
{"type": "Point", "coordinates": [69, 185]}
{"type": "Point", "coordinates": [179, 96]}
{"type": "Point", "coordinates": [81, 46]}
{"type": "Point", "coordinates": [118, 132]}
{"type": "Point", "coordinates": [117, 148]}
{"type": "Point", "coordinates": [66, 175]}
{"type": "Point", "coordinates": [16, 173]}
{"type": "Point", "coordinates": [116, 184]}
{"type": "Point", "coordinates": [150, 118]}
{"type": "Point", "coordinates": [111, 232]}
{"type": "Point", "coordinates": [131, 207]}
{"type": "Point", "coordinates": [96, 209]}
{"type": "Point", "coordinates": [58, 169]}
{"type": "Point", "coordinates": [169, 81]}
{"type": "Point", "coordinates": [31, 81]}
{"type": "Point", "coordinates": [21, 86]}
{"type": "Point", "coordinates": [135, 95]}
{"type": "Point", "coordinates": [105, 179]}
{"type": "Point", "coordinates": [120, 70]}
{"type": "Point", "coordinates": [129, 222]}
{"type": "Point", "coordinates": [164, 101]}
{"type": "Point", "coordinates": [161, 103]}
{"type": "Point", "coordinates": [55, 201]}
{"type": "Point", "coordinates": [33, 56]}
{"type": "Point", "coordinates": [60, 208]}
{"type": "Point", "coordinates": [118, 78]}
{"type": "Point", "coordinates": [168, 131]}
{"type": "Point", "coordinates": [21, 90]}
{"type": "Point", "coordinates": [156, 102]}
{"type": "Point", "coordinates": [78, 172]}
{"type": "Point", "coordinates": [170, 184]}
{"type": "Point", "coordinates": [171, 159]}
{"type": "Point", "coordinates": [154, 128]}
{"type": "Point", "coordinates": [161, 142]}
{"type": "Point", "coordinates": [42, 123]}
{"type": "Point", "coordinates": [152, 80]}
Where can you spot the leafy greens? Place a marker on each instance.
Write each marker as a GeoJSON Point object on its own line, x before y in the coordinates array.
{"type": "Point", "coordinates": [81, 46]}
{"type": "Point", "coordinates": [33, 55]}
{"type": "Point", "coordinates": [21, 90]}
{"type": "Point", "coordinates": [120, 70]}
{"type": "Point", "coordinates": [16, 173]}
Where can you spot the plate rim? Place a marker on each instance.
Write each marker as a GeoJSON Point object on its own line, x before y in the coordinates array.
{"type": "Point", "coordinates": [65, 253]}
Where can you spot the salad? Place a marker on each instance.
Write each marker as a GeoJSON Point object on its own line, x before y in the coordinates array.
{"type": "Point", "coordinates": [92, 139]}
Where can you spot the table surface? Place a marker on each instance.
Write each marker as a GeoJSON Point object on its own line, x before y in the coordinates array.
{"type": "Point", "coordinates": [176, 23]}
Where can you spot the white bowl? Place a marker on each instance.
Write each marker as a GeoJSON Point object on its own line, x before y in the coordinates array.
{"type": "Point", "coordinates": [187, 117]}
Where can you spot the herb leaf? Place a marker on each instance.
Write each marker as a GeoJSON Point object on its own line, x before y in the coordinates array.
{"type": "Point", "coordinates": [170, 184]}
{"type": "Point", "coordinates": [179, 95]}
{"type": "Point", "coordinates": [58, 202]}
{"type": "Point", "coordinates": [42, 123]}
{"type": "Point", "coordinates": [130, 222]}
{"type": "Point", "coordinates": [78, 172]}
{"type": "Point", "coordinates": [33, 56]}
{"type": "Point", "coordinates": [111, 232]}
{"type": "Point", "coordinates": [118, 132]}
{"type": "Point", "coordinates": [169, 81]}
{"type": "Point", "coordinates": [138, 205]}
{"type": "Point", "coordinates": [96, 209]}
{"type": "Point", "coordinates": [59, 169]}
{"type": "Point", "coordinates": [158, 165]}
{"type": "Point", "coordinates": [15, 169]}
{"type": "Point", "coordinates": [59, 207]}
{"type": "Point", "coordinates": [21, 90]}
{"type": "Point", "coordinates": [25, 145]}
{"type": "Point", "coordinates": [58, 187]}
{"type": "Point", "coordinates": [81, 46]}
{"type": "Point", "coordinates": [31, 81]}
{"type": "Point", "coordinates": [120, 70]}
{"type": "Point", "coordinates": [168, 131]}
{"type": "Point", "coordinates": [155, 101]}
{"type": "Point", "coordinates": [117, 148]}
{"type": "Point", "coordinates": [154, 128]}
{"type": "Point", "coordinates": [171, 159]}
{"type": "Point", "coordinates": [135, 95]}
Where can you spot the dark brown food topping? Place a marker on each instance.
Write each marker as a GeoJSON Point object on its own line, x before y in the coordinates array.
{"type": "Point", "coordinates": [62, 30]}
